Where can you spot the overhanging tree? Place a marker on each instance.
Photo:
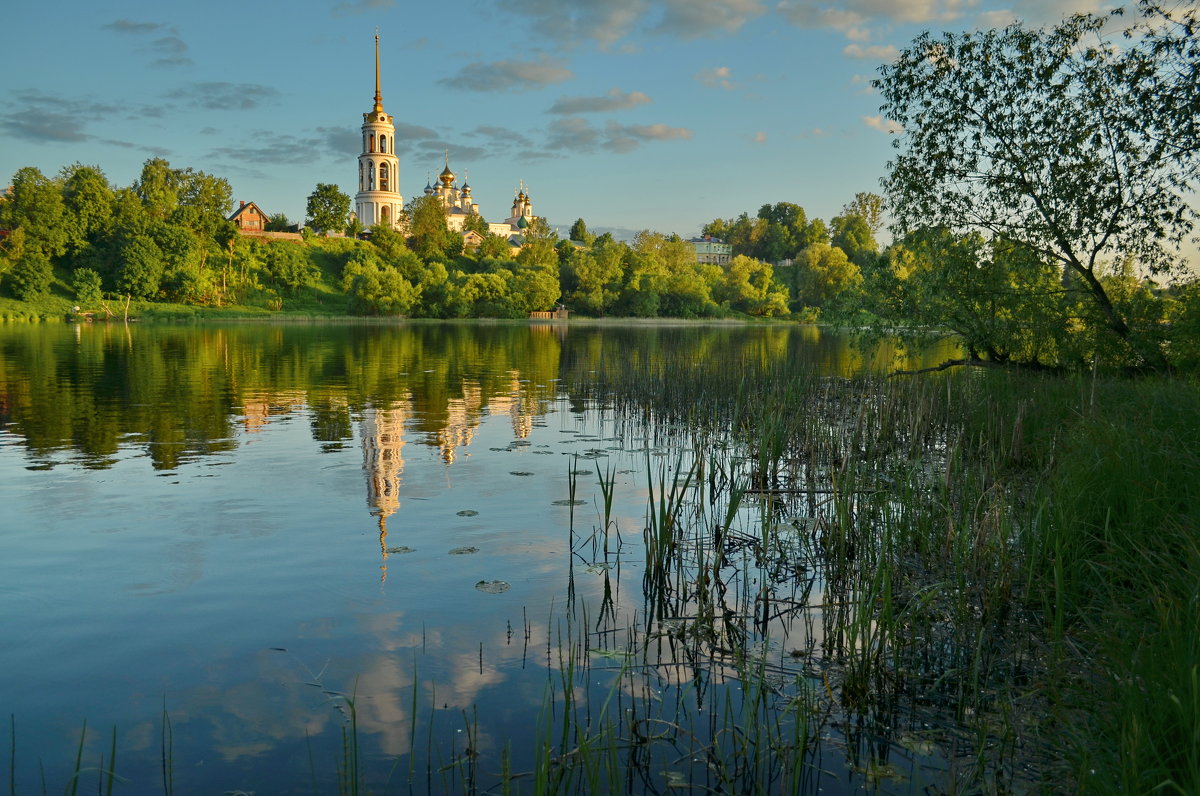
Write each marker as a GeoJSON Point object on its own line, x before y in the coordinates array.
{"type": "Point", "coordinates": [1060, 140]}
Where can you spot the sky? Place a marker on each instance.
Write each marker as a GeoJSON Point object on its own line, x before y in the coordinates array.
{"type": "Point", "coordinates": [630, 114]}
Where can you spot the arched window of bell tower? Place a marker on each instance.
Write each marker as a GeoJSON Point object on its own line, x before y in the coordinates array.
{"type": "Point", "coordinates": [371, 142]}
{"type": "Point", "coordinates": [360, 175]}
{"type": "Point", "coordinates": [370, 175]}
{"type": "Point", "coordinates": [383, 144]}
{"type": "Point", "coordinates": [383, 173]}
{"type": "Point", "coordinates": [385, 215]}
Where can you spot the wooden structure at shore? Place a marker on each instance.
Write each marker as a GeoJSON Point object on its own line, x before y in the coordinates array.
{"type": "Point", "coordinates": [559, 314]}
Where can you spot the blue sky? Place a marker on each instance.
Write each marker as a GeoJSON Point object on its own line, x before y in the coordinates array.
{"type": "Point", "coordinates": [632, 114]}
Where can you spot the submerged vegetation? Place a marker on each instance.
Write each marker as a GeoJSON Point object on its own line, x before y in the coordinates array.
{"type": "Point", "coordinates": [996, 572]}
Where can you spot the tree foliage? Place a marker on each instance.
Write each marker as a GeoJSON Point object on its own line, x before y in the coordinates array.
{"type": "Point", "coordinates": [579, 232]}
{"type": "Point", "coordinates": [327, 208]}
{"type": "Point", "coordinates": [31, 276]}
{"type": "Point", "coordinates": [1058, 140]}
{"type": "Point", "coordinates": [428, 234]}
{"type": "Point", "coordinates": [825, 274]}
{"type": "Point", "coordinates": [36, 206]}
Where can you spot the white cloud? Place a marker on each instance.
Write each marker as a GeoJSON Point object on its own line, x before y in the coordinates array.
{"type": "Point", "coordinates": [694, 18]}
{"type": "Point", "coordinates": [878, 52]}
{"type": "Point", "coordinates": [718, 77]}
{"type": "Point", "coordinates": [362, 7]}
{"type": "Point", "coordinates": [568, 22]}
{"type": "Point", "coordinates": [862, 20]}
{"type": "Point", "coordinates": [510, 75]}
{"type": "Point", "coordinates": [864, 83]}
{"type": "Point", "coordinates": [615, 100]}
{"type": "Point", "coordinates": [576, 134]}
{"type": "Point", "coordinates": [656, 132]}
{"type": "Point", "coordinates": [883, 125]}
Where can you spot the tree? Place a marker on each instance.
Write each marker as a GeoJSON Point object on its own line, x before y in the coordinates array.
{"type": "Point", "coordinates": [278, 223]}
{"type": "Point", "coordinates": [88, 200]}
{"type": "Point", "coordinates": [824, 274]}
{"type": "Point", "coordinates": [388, 242]}
{"type": "Point", "coordinates": [476, 223]}
{"type": "Point", "coordinates": [814, 232]}
{"type": "Point", "coordinates": [32, 276]}
{"type": "Point", "coordinates": [375, 288]}
{"type": "Point", "coordinates": [207, 196]}
{"type": "Point", "coordinates": [852, 234]}
{"type": "Point", "coordinates": [288, 265]}
{"type": "Point", "coordinates": [596, 275]}
{"type": "Point", "coordinates": [785, 214]}
{"type": "Point", "coordinates": [1000, 299]}
{"type": "Point", "coordinates": [86, 284]}
{"type": "Point", "coordinates": [493, 246]}
{"type": "Point", "coordinates": [776, 244]}
{"type": "Point", "coordinates": [749, 286]}
{"type": "Point", "coordinates": [1057, 140]}
{"type": "Point", "coordinates": [868, 207]}
{"type": "Point", "coordinates": [158, 187]}
{"type": "Point", "coordinates": [327, 208]}
{"type": "Point", "coordinates": [36, 206]}
{"type": "Point", "coordinates": [579, 232]}
{"type": "Point", "coordinates": [427, 227]}
{"type": "Point", "coordinates": [141, 268]}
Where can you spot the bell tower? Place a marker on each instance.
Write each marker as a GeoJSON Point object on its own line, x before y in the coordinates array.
{"type": "Point", "coordinates": [378, 200]}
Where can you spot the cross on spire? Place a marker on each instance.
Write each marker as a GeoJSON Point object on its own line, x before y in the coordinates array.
{"type": "Point", "coordinates": [378, 96]}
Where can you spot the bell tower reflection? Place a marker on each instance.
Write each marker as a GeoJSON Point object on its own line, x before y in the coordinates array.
{"type": "Point", "coordinates": [383, 462]}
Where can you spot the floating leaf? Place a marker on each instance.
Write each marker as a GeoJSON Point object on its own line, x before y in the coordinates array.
{"type": "Point", "coordinates": [492, 586]}
{"type": "Point", "coordinates": [520, 472]}
{"type": "Point", "coordinates": [464, 551]}
{"type": "Point", "coordinates": [568, 503]}
{"type": "Point", "coordinates": [468, 513]}
{"type": "Point", "coordinates": [401, 550]}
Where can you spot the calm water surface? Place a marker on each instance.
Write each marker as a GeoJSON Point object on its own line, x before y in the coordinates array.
{"type": "Point", "coordinates": [236, 526]}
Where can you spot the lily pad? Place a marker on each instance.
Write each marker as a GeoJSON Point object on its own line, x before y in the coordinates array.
{"type": "Point", "coordinates": [468, 513]}
{"type": "Point", "coordinates": [568, 503]}
{"type": "Point", "coordinates": [492, 586]}
{"type": "Point", "coordinates": [464, 551]}
{"type": "Point", "coordinates": [520, 472]}
{"type": "Point", "coordinates": [401, 550]}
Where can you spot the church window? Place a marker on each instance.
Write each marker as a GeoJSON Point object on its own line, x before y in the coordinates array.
{"type": "Point", "coordinates": [371, 142]}
{"type": "Point", "coordinates": [383, 173]}
{"type": "Point", "coordinates": [360, 176]}
{"type": "Point", "coordinates": [383, 144]}
{"type": "Point", "coordinates": [385, 214]}
{"type": "Point", "coordinates": [370, 175]}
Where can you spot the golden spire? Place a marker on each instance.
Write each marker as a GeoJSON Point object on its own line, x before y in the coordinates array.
{"type": "Point", "coordinates": [378, 96]}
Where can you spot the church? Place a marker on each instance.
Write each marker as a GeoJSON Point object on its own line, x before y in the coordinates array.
{"type": "Point", "coordinates": [379, 201]}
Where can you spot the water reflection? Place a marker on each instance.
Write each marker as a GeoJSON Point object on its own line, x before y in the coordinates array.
{"type": "Point", "coordinates": [239, 577]}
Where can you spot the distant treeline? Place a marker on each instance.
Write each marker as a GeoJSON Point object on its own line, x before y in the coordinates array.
{"type": "Point", "coordinates": [75, 238]}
